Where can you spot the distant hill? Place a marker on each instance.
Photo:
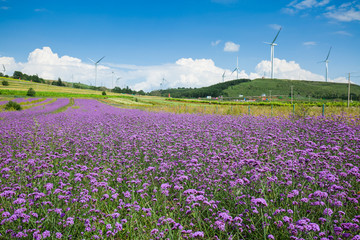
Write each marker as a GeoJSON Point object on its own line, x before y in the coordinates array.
{"type": "Point", "coordinates": [258, 87]}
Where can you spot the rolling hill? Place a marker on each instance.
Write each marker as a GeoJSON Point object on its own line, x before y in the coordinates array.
{"type": "Point", "coordinates": [258, 87]}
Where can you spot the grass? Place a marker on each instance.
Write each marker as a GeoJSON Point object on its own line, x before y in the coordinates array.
{"type": "Point", "coordinates": [64, 108]}
{"type": "Point", "coordinates": [20, 87]}
{"type": "Point", "coordinates": [280, 89]}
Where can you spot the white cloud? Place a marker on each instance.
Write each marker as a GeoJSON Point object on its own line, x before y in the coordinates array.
{"type": "Point", "coordinates": [345, 13]}
{"type": "Point", "coordinates": [296, 6]}
{"type": "Point", "coordinates": [308, 4]}
{"type": "Point", "coordinates": [286, 70]}
{"type": "Point", "coordinates": [215, 43]}
{"type": "Point", "coordinates": [310, 43]}
{"type": "Point", "coordinates": [4, 8]}
{"type": "Point", "coordinates": [231, 47]}
{"type": "Point", "coordinates": [49, 65]}
{"type": "Point", "coordinates": [185, 72]}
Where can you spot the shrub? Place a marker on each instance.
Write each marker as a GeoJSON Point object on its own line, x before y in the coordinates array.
{"type": "Point", "coordinates": [12, 106]}
{"type": "Point", "coordinates": [5, 83]}
{"type": "Point", "coordinates": [31, 92]}
{"type": "Point", "coordinates": [104, 93]}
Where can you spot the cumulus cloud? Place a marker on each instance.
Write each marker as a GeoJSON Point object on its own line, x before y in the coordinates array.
{"type": "Point", "coordinates": [284, 69]}
{"type": "Point", "coordinates": [49, 65]}
{"type": "Point", "coordinates": [185, 72]}
{"type": "Point", "coordinates": [231, 47]}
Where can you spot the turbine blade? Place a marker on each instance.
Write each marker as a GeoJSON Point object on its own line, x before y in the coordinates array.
{"type": "Point", "coordinates": [100, 59]}
{"type": "Point", "coordinates": [276, 36]}
{"type": "Point", "coordinates": [223, 74]}
{"type": "Point", "coordinates": [233, 71]}
{"type": "Point", "coordinates": [328, 54]}
{"type": "Point", "coordinates": [91, 60]}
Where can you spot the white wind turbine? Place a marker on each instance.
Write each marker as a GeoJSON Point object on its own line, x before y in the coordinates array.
{"type": "Point", "coordinates": [272, 44]}
{"type": "Point", "coordinates": [223, 77]}
{"type": "Point", "coordinates": [96, 63]}
{"type": "Point", "coordinates": [4, 69]}
{"type": "Point", "coordinates": [326, 61]}
{"type": "Point", "coordinates": [162, 84]}
{"type": "Point", "coordinates": [236, 69]}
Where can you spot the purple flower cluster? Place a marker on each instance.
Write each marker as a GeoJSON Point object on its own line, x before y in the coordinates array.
{"type": "Point", "coordinates": [100, 172]}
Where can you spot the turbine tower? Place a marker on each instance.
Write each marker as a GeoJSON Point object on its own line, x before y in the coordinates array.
{"type": "Point", "coordinates": [96, 63]}
{"type": "Point", "coordinates": [236, 69]}
{"type": "Point", "coordinates": [272, 44]}
{"type": "Point", "coordinates": [223, 77]}
{"type": "Point", "coordinates": [326, 61]}
{"type": "Point", "coordinates": [162, 84]}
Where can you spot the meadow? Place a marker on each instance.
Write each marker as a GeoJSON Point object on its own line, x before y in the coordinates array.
{"type": "Point", "coordinates": [82, 169]}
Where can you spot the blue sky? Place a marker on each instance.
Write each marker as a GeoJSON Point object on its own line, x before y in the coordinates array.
{"type": "Point", "coordinates": [181, 41]}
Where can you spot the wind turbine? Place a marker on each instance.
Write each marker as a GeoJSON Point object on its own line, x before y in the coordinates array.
{"type": "Point", "coordinates": [4, 69]}
{"type": "Point", "coordinates": [223, 77]}
{"type": "Point", "coordinates": [326, 61]}
{"type": "Point", "coordinates": [272, 44]}
{"type": "Point", "coordinates": [96, 63]}
{"type": "Point", "coordinates": [237, 68]}
{"type": "Point", "coordinates": [162, 84]}
{"type": "Point", "coordinates": [117, 81]}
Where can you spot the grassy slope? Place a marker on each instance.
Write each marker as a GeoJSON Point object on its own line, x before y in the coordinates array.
{"type": "Point", "coordinates": [258, 87]}
{"type": "Point", "coordinates": [22, 85]}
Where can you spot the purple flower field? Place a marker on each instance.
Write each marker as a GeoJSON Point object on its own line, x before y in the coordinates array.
{"type": "Point", "coordinates": [99, 172]}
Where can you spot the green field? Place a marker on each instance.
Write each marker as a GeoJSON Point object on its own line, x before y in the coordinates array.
{"type": "Point", "coordinates": [280, 89]}
{"type": "Point", "coordinates": [277, 107]}
{"type": "Point", "coordinates": [20, 87]}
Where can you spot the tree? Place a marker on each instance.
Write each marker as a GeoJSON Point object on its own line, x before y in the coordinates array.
{"type": "Point", "coordinates": [58, 82]}
{"type": "Point", "coordinates": [103, 93]}
{"type": "Point", "coordinates": [18, 75]}
{"type": "Point", "coordinates": [12, 105]}
{"type": "Point", "coordinates": [5, 83]}
{"type": "Point", "coordinates": [31, 92]}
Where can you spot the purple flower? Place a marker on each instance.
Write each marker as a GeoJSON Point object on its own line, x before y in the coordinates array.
{"type": "Point", "coordinates": [70, 220]}
{"type": "Point", "coordinates": [154, 231]}
{"type": "Point", "coordinates": [197, 234]}
{"type": "Point", "coordinates": [127, 194]}
{"type": "Point", "coordinates": [258, 201]}
{"type": "Point", "coordinates": [118, 226]}
{"type": "Point", "coordinates": [220, 225]}
{"type": "Point", "coordinates": [328, 212]}
{"type": "Point", "coordinates": [46, 234]}
{"type": "Point", "coordinates": [49, 186]}
{"type": "Point", "coordinates": [19, 201]}
{"type": "Point", "coordinates": [271, 237]}
{"type": "Point", "coordinates": [165, 186]}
